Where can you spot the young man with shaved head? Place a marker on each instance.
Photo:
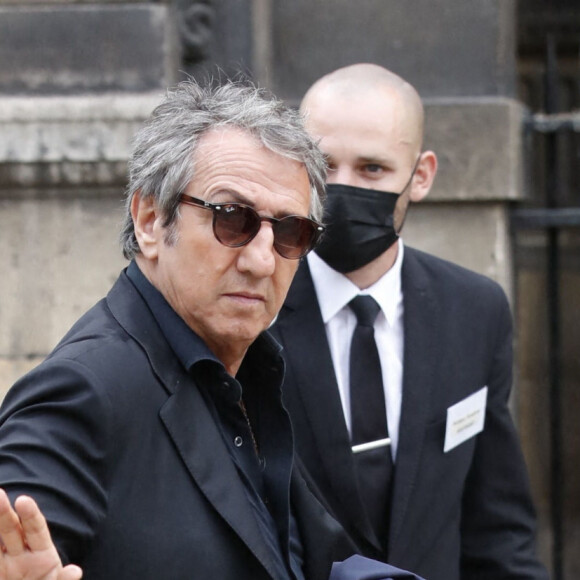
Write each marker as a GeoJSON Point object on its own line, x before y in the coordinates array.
{"type": "Point", "coordinates": [426, 470]}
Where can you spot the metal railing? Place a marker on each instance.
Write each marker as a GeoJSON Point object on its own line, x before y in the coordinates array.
{"type": "Point", "coordinates": [553, 217]}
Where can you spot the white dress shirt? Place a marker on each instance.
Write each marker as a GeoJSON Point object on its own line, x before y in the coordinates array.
{"type": "Point", "coordinates": [334, 292]}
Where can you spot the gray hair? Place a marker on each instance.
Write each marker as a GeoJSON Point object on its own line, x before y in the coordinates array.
{"type": "Point", "coordinates": [161, 164]}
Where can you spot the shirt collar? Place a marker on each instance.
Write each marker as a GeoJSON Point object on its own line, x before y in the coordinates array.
{"type": "Point", "coordinates": [335, 290]}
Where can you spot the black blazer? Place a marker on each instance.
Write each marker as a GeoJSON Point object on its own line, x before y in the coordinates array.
{"type": "Point", "coordinates": [114, 440]}
{"type": "Point", "coordinates": [463, 514]}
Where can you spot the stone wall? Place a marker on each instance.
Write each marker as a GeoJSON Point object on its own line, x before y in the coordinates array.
{"type": "Point", "coordinates": [76, 80]}
{"type": "Point", "coordinates": [62, 175]}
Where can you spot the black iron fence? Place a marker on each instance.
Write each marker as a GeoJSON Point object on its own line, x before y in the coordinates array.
{"type": "Point", "coordinates": [552, 209]}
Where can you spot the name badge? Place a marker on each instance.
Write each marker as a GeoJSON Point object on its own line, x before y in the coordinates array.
{"type": "Point", "coordinates": [465, 419]}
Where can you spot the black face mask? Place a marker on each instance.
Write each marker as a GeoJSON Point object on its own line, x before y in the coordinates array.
{"type": "Point", "coordinates": [359, 225]}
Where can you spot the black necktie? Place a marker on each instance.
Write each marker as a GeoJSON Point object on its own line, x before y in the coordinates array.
{"type": "Point", "coordinates": [368, 415]}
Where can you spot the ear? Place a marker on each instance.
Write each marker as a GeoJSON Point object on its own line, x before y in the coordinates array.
{"type": "Point", "coordinates": [147, 223]}
{"type": "Point", "coordinates": [424, 176]}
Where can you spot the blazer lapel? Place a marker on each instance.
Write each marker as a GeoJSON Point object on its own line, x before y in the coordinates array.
{"type": "Point", "coordinates": [195, 434]}
{"type": "Point", "coordinates": [190, 423]}
{"type": "Point", "coordinates": [301, 328]}
{"type": "Point", "coordinates": [421, 321]}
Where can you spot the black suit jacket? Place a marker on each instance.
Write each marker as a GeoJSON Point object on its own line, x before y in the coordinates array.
{"type": "Point", "coordinates": [463, 514]}
{"type": "Point", "coordinates": [114, 440]}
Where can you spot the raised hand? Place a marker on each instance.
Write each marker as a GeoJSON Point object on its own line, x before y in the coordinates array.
{"type": "Point", "coordinates": [27, 551]}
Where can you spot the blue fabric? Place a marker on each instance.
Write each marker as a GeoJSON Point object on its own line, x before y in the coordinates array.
{"type": "Point", "coordinates": [359, 568]}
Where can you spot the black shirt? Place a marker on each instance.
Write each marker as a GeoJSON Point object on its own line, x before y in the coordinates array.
{"type": "Point", "coordinates": [253, 423]}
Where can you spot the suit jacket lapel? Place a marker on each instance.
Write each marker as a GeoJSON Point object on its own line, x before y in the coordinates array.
{"type": "Point", "coordinates": [195, 434]}
{"type": "Point", "coordinates": [306, 349]}
{"type": "Point", "coordinates": [421, 321]}
{"type": "Point", "coordinates": [190, 423]}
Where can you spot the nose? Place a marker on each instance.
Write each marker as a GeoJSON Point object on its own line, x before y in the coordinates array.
{"type": "Point", "coordinates": [258, 256]}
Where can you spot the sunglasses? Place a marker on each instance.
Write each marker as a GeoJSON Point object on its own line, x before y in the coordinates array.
{"type": "Point", "coordinates": [235, 225]}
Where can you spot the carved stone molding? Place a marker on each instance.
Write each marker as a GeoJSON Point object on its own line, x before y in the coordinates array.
{"type": "Point", "coordinates": [196, 24]}
{"type": "Point", "coordinates": [215, 37]}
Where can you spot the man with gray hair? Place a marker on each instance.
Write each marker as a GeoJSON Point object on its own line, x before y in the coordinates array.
{"type": "Point", "coordinates": [153, 437]}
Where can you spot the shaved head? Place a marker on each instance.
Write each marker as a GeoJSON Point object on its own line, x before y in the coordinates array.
{"type": "Point", "coordinates": [356, 81]}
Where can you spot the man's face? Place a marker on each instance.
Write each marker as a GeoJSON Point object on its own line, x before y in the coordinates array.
{"type": "Point", "coordinates": [368, 139]}
{"type": "Point", "coordinates": [229, 295]}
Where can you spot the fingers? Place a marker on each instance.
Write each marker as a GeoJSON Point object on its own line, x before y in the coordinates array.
{"type": "Point", "coordinates": [26, 543]}
{"type": "Point", "coordinates": [23, 527]}
{"type": "Point", "coordinates": [70, 572]}
{"type": "Point", "coordinates": [10, 528]}
{"type": "Point", "coordinates": [34, 526]}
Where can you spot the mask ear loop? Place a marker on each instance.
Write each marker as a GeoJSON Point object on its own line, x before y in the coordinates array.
{"type": "Point", "coordinates": [412, 174]}
{"type": "Point", "coordinates": [397, 230]}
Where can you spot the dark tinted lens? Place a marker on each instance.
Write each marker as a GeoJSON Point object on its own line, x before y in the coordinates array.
{"type": "Point", "coordinates": [235, 225]}
{"type": "Point", "coordinates": [294, 236]}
